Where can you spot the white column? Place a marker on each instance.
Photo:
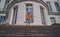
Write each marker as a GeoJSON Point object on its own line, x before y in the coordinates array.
{"type": "Point", "coordinates": [47, 18]}
{"type": "Point", "coordinates": [10, 16]}
{"type": "Point", "coordinates": [36, 13]}
{"type": "Point", "coordinates": [21, 13]}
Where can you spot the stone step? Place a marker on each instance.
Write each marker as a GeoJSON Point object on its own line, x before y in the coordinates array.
{"type": "Point", "coordinates": [13, 30]}
{"type": "Point", "coordinates": [31, 24]}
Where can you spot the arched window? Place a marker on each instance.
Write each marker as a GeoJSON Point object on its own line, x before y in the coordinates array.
{"type": "Point", "coordinates": [42, 15]}
{"type": "Point", "coordinates": [15, 15]}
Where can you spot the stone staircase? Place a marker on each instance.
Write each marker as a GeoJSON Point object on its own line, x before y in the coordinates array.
{"type": "Point", "coordinates": [17, 30]}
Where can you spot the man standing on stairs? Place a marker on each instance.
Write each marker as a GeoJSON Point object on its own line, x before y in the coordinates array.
{"type": "Point", "coordinates": [28, 18]}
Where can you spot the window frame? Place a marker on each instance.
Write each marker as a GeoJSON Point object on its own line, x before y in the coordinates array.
{"type": "Point", "coordinates": [49, 6]}
{"type": "Point", "coordinates": [42, 15]}
{"type": "Point", "coordinates": [15, 8]}
{"type": "Point", "coordinates": [57, 6]}
{"type": "Point", "coordinates": [30, 4]}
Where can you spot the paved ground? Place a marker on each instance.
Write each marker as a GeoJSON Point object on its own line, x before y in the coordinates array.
{"type": "Point", "coordinates": [29, 31]}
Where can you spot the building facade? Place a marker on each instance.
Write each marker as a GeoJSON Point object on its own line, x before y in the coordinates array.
{"type": "Point", "coordinates": [42, 12]}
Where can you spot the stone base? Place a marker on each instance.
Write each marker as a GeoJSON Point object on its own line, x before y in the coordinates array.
{"type": "Point", "coordinates": [31, 24]}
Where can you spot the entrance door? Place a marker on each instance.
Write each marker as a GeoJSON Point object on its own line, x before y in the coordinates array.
{"type": "Point", "coordinates": [29, 9]}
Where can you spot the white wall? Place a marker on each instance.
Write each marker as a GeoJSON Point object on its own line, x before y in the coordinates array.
{"type": "Point", "coordinates": [56, 18]}
{"type": "Point", "coordinates": [10, 16]}
{"type": "Point", "coordinates": [21, 12]}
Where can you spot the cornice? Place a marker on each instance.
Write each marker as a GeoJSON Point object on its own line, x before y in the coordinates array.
{"type": "Point", "coordinates": [54, 13]}
{"type": "Point", "coordinates": [17, 1]}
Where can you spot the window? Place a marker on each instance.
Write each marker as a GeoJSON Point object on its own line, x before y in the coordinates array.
{"type": "Point", "coordinates": [42, 15]}
{"type": "Point", "coordinates": [52, 20]}
{"type": "Point", "coordinates": [7, 3]}
{"type": "Point", "coordinates": [49, 6]}
{"type": "Point", "coordinates": [57, 6]}
{"type": "Point", "coordinates": [2, 18]}
{"type": "Point", "coordinates": [15, 15]}
{"type": "Point", "coordinates": [29, 8]}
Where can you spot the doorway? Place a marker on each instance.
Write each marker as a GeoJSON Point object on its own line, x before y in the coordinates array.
{"type": "Point", "coordinates": [29, 8]}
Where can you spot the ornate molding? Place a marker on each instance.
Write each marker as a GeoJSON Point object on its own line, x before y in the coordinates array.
{"type": "Point", "coordinates": [17, 1]}
{"type": "Point", "coordinates": [54, 13]}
